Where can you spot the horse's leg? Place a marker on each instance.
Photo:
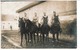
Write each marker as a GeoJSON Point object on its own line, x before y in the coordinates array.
{"type": "Point", "coordinates": [47, 37]}
{"type": "Point", "coordinates": [57, 36]}
{"type": "Point", "coordinates": [31, 38]}
{"type": "Point", "coordinates": [54, 36]}
{"type": "Point", "coordinates": [34, 37]}
{"type": "Point", "coordinates": [43, 37]}
{"type": "Point", "coordinates": [26, 39]}
{"type": "Point", "coordinates": [21, 38]}
{"type": "Point", "coordinates": [40, 36]}
{"type": "Point", "coordinates": [37, 37]}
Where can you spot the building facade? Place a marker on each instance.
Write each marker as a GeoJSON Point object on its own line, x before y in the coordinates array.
{"type": "Point", "coordinates": [65, 9]}
{"type": "Point", "coordinates": [8, 21]}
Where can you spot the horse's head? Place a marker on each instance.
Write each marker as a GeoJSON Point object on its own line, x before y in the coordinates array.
{"type": "Point", "coordinates": [20, 19]}
{"type": "Point", "coordinates": [28, 22]}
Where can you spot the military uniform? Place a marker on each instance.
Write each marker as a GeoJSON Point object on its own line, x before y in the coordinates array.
{"type": "Point", "coordinates": [45, 20]}
{"type": "Point", "coordinates": [35, 21]}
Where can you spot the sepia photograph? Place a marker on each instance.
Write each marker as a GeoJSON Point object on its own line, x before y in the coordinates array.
{"type": "Point", "coordinates": [38, 24]}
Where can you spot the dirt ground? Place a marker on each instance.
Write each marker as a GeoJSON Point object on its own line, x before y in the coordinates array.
{"type": "Point", "coordinates": [65, 41]}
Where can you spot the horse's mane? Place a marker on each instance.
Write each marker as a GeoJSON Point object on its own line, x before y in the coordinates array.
{"type": "Point", "coordinates": [30, 22]}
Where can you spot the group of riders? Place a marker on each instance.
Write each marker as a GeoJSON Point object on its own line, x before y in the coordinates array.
{"type": "Point", "coordinates": [33, 29]}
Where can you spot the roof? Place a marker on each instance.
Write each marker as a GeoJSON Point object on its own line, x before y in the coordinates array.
{"type": "Point", "coordinates": [29, 6]}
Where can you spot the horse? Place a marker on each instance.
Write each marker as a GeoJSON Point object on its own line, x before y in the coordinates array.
{"type": "Point", "coordinates": [39, 31]}
{"type": "Point", "coordinates": [22, 30]}
{"type": "Point", "coordinates": [32, 28]}
{"type": "Point", "coordinates": [55, 28]}
{"type": "Point", "coordinates": [45, 28]}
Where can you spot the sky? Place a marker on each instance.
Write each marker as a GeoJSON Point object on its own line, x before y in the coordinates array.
{"type": "Point", "coordinates": [11, 7]}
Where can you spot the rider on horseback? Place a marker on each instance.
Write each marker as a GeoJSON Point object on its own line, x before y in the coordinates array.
{"type": "Point", "coordinates": [45, 26]}
{"type": "Point", "coordinates": [55, 27]}
{"type": "Point", "coordinates": [45, 19]}
{"type": "Point", "coordinates": [25, 17]}
{"type": "Point", "coordinates": [35, 19]}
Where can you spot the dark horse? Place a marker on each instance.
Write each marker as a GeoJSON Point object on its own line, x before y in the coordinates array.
{"type": "Point", "coordinates": [32, 29]}
{"type": "Point", "coordinates": [22, 29]}
{"type": "Point", "coordinates": [45, 27]}
{"type": "Point", "coordinates": [27, 28]}
{"type": "Point", "coordinates": [55, 28]}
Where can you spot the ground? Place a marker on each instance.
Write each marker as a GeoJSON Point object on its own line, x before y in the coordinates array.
{"type": "Point", "coordinates": [11, 39]}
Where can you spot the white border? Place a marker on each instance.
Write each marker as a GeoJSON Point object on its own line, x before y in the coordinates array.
{"type": "Point", "coordinates": [78, 30]}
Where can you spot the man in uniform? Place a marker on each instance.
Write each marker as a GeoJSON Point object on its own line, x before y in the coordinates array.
{"type": "Point", "coordinates": [45, 19]}
{"type": "Point", "coordinates": [25, 17]}
{"type": "Point", "coordinates": [35, 19]}
{"type": "Point", "coordinates": [55, 29]}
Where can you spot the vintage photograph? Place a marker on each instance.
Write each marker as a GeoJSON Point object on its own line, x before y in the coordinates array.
{"type": "Point", "coordinates": [38, 24]}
